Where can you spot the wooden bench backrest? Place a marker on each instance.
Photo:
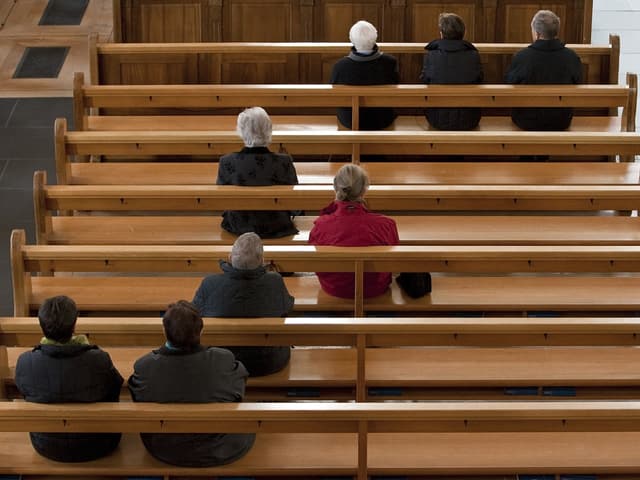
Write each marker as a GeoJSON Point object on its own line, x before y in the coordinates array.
{"type": "Point", "coordinates": [351, 143]}
{"type": "Point", "coordinates": [180, 98]}
{"type": "Point", "coordinates": [209, 63]}
{"type": "Point", "coordinates": [26, 260]}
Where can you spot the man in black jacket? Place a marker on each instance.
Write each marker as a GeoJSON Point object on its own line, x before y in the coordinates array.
{"type": "Point", "coordinates": [452, 60]}
{"type": "Point", "coordinates": [545, 61]}
{"type": "Point", "coordinates": [184, 371]}
{"type": "Point", "coordinates": [66, 368]}
{"type": "Point", "coordinates": [366, 65]}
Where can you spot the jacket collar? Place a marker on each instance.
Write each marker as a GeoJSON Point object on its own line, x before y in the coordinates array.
{"type": "Point", "coordinates": [359, 57]}
{"type": "Point", "coordinates": [164, 350]}
{"type": "Point", "coordinates": [547, 45]}
{"type": "Point", "coordinates": [450, 45]}
{"type": "Point", "coordinates": [255, 150]}
{"type": "Point", "coordinates": [64, 351]}
{"type": "Point", "coordinates": [344, 208]}
{"type": "Point", "coordinates": [236, 273]}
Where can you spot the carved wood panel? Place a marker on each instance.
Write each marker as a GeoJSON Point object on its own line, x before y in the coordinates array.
{"type": "Point", "coordinates": [515, 19]}
{"type": "Point", "coordinates": [334, 18]}
{"type": "Point", "coordinates": [258, 21]}
{"type": "Point", "coordinates": [423, 19]}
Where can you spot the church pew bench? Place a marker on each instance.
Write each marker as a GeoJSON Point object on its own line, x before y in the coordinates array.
{"type": "Point", "coordinates": [354, 144]}
{"type": "Point", "coordinates": [390, 358]}
{"type": "Point", "coordinates": [600, 291]}
{"type": "Point", "coordinates": [137, 214]}
{"type": "Point", "coordinates": [302, 99]}
{"type": "Point", "coordinates": [353, 440]}
{"type": "Point", "coordinates": [300, 62]}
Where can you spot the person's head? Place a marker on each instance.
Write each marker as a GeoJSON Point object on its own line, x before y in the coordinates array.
{"type": "Point", "coordinates": [57, 317]}
{"type": "Point", "coordinates": [350, 183]}
{"type": "Point", "coordinates": [363, 35]}
{"type": "Point", "coordinates": [545, 25]}
{"type": "Point", "coordinates": [451, 26]}
{"type": "Point", "coordinates": [254, 127]}
{"type": "Point", "coordinates": [182, 325]}
{"type": "Point", "coordinates": [247, 252]}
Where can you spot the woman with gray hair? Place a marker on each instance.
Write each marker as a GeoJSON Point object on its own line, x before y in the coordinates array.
{"type": "Point", "coordinates": [246, 289]}
{"type": "Point", "coordinates": [255, 165]}
{"type": "Point", "coordinates": [347, 222]}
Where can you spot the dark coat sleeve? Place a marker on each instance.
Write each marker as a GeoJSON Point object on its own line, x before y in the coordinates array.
{"type": "Point", "coordinates": [517, 70]}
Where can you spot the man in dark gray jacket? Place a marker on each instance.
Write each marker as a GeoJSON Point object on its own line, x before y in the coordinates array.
{"type": "Point", "coordinates": [66, 368]}
{"type": "Point", "coordinates": [452, 60]}
{"type": "Point", "coordinates": [545, 61]}
{"type": "Point", "coordinates": [246, 289]}
{"type": "Point", "coordinates": [184, 371]}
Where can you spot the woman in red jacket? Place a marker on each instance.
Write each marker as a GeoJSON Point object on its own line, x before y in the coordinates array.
{"type": "Point", "coordinates": [347, 222]}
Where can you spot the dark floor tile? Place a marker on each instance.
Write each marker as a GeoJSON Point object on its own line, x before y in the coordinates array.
{"type": "Point", "coordinates": [16, 207]}
{"type": "Point", "coordinates": [64, 12]}
{"type": "Point", "coordinates": [19, 173]}
{"type": "Point", "coordinates": [6, 107]}
{"type": "Point", "coordinates": [41, 112]}
{"type": "Point", "coordinates": [6, 292]}
{"type": "Point", "coordinates": [41, 62]}
{"type": "Point", "coordinates": [25, 143]}
{"type": "Point", "coordinates": [3, 165]}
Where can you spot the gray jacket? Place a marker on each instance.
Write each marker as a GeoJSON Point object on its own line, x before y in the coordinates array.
{"type": "Point", "coordinates": [247, 293]}
{"type": "Point", "coordinates": [201, 375]}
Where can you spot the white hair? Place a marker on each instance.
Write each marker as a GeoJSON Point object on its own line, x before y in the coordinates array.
{"type": "Point", "coordinates": [247, 252]}
{"type": "Point", "coordinates": [363, 35]}
{"type": "Point", "coordinates": [254, 127]}
{"type": "Point", "coordinates": [350, 183]}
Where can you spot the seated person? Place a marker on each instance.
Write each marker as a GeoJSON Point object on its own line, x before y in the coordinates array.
{"type": "Point", "coordinates": [183, 371]}
{"type": "Point", "coordinates": [66, 368]}
{"type": "Point", "coordinates": [545, 61]}
{"type": "Point", "coordinates": [246, 289]}
{"type": "Point", "coordinates": [452, 60]}
{"type": "Point", "coordinates": [348, 222]}
{"type": "Point", "coordinates": [255, 165]}
{"type": "Point", "coordinates": [366, 65]}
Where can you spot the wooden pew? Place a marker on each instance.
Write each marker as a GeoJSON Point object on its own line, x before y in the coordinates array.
{"type": "Point", "coordinates": [176, 107]}
{"type": "Point", "coordinates": [210, 63]}
{"type": "Point", "coordinates": [126, 292]}
{"type": "Point", "coordinates": [348, 143]}
{"type": "Point", "coordinates": [329, 439]}
{"type": "Point", "coordinates": [135, 213]}
{"type": "Point", "coordinates": [397, 358]}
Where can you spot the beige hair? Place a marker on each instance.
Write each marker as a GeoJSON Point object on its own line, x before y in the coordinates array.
{"type": "Point", "coordinates": [247, 252]}
{"type": "Point", "coordinates": [546, 24]}
{"type": "Point", "coordinates": [254, 127]}
{"type": "Point", "coordinates": [350, 183]}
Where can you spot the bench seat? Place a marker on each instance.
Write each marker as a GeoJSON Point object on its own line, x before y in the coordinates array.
{"type": "Point", "coordinates": [450, 293]}
{"type": "Point", "coordinates": [316, 122]}
{"type": "Point", "coordinates": [395, 173]}
{"type": "Point", "coordinates": [335, 454]}
{"type": "Point", "coordinates": [413, 230]}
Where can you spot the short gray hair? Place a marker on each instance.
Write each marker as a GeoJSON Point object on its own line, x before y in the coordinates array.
{"type": "Point", "coordinates": [350, 183]}
{"type": "Point", "coordinates": [363, 35]}
{"type": "Point", "coordinates": [546, 24]}
{"type": "Point", "coordinates": [254, 127]}
{"type": "Point", "coordinates": [247, 252]}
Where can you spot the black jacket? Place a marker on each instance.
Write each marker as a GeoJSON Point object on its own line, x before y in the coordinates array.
{"type": "Point", "coordinates": [247, 293]}
{"type": "Point", "coordinates": [69, 373]}
{"type": "Point", "coordinates": [544, 62]}
{"type": "Point", "coordinates": [374, 69]}
{"type": "Point", "coordinates": [201, 375]}
{"type": "Point", "coordinates": [257, 166]}
{"type": "Point", "coordinates": [452, 62]}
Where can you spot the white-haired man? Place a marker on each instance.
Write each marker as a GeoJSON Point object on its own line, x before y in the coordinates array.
{"type": "Point", "coordinates": [545, 61]}
{"type": "Point", "coordinates": [366, 65]}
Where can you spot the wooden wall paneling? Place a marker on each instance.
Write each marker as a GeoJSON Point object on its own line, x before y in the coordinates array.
{"type": "Point", "coordinates": [422, 17]}
{"type": "Point", "coordinates": [213, 19]}
{"type": "Point", "coordinates": [302, 23]}
{"type": "Point", "coordinates": [158, 69]}
{"type": "Point", "coordinates": [118, 20]}
{"type": "Point", "coordinates": [395, 23]}
{"type": "Point", "coordinates": [513, 22]}
{"type": "Point", "coordinates": [489, 13]}
{"type": "Point", "coordinates": [257, 68]}
{"type": "Point", "coordinates": [174, 22]}
{"type": "Point", "coordinates": [334, 18]}
{"type": "Point", "coordinates": [587, 20]}
{"type": "Point", "coordinates": [257, 21]}
{"type": "Point", "coordinates": [209, 68]}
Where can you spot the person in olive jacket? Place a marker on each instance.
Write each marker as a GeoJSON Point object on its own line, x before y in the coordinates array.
{"type": "Point", "coordinates": [545, 61]}
{"type": "Point", "coordinates": [184, 371]}
{"type": "Point", "coordinates": [66, 368]}
{"type": "Point", "coordinates": [452, 60]}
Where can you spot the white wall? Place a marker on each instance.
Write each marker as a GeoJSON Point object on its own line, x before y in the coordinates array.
{"type": "Point", "coordinates": [621, 17]}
